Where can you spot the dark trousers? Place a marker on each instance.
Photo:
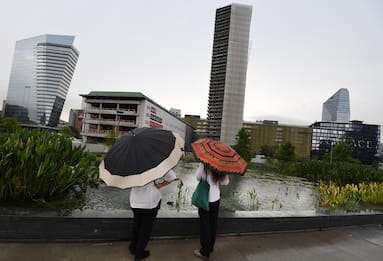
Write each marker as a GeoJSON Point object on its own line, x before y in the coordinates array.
{"type": "Point", "coordinates": [208, 227]}
{"type": "Point", "coordinates": [143, 220]}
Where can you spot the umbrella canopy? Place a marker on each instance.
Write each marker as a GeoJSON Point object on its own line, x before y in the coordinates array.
{"type": "Point", "coordinates": [141, 156]}
{"type": "Point", "coordinates": [219, 156]}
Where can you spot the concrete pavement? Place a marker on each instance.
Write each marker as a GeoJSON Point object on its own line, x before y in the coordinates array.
{"type": "Point", "coordinates": [345, 243]}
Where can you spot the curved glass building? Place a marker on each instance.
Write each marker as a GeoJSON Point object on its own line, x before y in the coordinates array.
{"type": "Point", "coordinates": [41, 74]}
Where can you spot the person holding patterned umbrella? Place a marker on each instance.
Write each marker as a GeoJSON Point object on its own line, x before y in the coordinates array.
{"type": "Point", "coordinates": [217, 161]}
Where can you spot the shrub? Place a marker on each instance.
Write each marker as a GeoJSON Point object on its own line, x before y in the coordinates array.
{"type": "Point", "coordinates": [350, 196]}
{"type": "Point", "coordinates": [42, 166]}
{"type": "Point", "coordinates": [340, 173]}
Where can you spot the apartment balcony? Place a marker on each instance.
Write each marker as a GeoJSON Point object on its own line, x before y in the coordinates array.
{"type": "Point", "coordinates": [96, 110]}
{"type": "Point", "coordinates": [101, 133]}
{"type": "Point", "coordinates": [110, 122]}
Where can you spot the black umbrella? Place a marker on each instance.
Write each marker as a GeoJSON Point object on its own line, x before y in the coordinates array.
{"type": "Point", "coordinates": [141, 156]}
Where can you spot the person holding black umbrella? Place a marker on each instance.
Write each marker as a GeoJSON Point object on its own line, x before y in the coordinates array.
{"type": "Point", "coordinates": [142, 160]}
{"type": "Point", "coordinates": [145, 202]}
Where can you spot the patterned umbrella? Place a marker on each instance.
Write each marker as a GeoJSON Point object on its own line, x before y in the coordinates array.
{"type": "Point", "coordinates": [219, 156]}
{"type": "Point", "coordinates": [143, 155]}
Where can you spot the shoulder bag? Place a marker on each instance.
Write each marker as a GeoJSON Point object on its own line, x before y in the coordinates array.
{"type": "Point", "coordinates": [200, 196]}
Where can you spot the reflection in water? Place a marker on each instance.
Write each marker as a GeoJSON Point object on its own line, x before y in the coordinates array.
{"type": "Point", "coordinates": [252, 192]}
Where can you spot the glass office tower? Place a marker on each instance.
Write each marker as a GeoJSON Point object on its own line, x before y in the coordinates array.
{"type": "Point", "coordinates": [228, 72]}
{"type": "Point", "coordinates": [364, 139]}
{"type": "Point", "coordinates": [337, 107]}
{"type": "Point", "coordinates": [41, 74]}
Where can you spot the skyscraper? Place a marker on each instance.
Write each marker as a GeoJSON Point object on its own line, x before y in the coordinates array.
{"type": "Point", "coordinates": [228, 72]}
{"type": "Point", "coordinates": [337, 107]}
{"type": "Point", "coordinates": [41, 73]}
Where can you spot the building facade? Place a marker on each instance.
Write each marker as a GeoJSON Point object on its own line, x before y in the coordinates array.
{"type": "Point", "coordinates": [199, 126]}
{"type": "Point", "coordinates": [76, 118]}
{"type": "Point", "coordinates": [337, 107]}
{"type": "Point", "coordinates": [228, 72]}
{"type": "Point", "coordinates": [363, 138]}
{"type": "Point", "coordinates": [274, 135]}
{"type": "Point", "coordinates": [106, 113]}
{"type": "Point", "coordinates": [42, 70]}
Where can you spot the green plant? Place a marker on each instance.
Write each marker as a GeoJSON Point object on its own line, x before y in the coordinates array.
{"type": "Point", "coordinates": [273, 202]}
{"type": "Point", "coordinates": [9, 125]}
{"type": "Point", "coordinates": [188, 158]}
{"type": "Point", "coordinates": [286, 152]}
{"type": "Point", "coordinates": [350, 196]}
{"type": "Point", "coordinates": [40, 166]}
{"type": "Point", "coordinates": [253, 198]}
{"type": "Point", "coordinates": [67, 132]}
{"type": "Point", "coordinates": [242, 146]}
{"type": "Point", "coordinates": [111, 138]}
{"type": "Point", "coordinates": [340, 173]}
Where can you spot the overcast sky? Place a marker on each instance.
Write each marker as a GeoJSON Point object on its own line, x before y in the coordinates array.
{"type": "Point", "coordinates": [301, 52]}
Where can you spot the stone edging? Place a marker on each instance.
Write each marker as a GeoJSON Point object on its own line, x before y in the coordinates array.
{"type": "Point", "coordinates": [67, 228]}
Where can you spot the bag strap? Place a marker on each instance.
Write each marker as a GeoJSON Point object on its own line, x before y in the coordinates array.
{"type": "Point", "coordinates": [205, 174]}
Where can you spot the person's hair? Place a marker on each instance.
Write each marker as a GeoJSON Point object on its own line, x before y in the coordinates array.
{"type": "Point", "coordinates": [216, 177]}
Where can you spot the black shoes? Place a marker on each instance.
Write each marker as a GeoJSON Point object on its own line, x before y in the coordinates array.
{"type": "Point", "coordinates": [144, 254]}
{"type": "Point", "coordinates": [132, 250]}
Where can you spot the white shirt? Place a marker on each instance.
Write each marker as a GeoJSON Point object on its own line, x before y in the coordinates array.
{"type": "Point", "coordinates": [214, 191]}
{"type": "Point", "coordinates": [148, 196]}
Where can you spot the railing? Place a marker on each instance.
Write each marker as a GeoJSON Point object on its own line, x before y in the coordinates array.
{"type": "Point", "coordinates": [104, 132]}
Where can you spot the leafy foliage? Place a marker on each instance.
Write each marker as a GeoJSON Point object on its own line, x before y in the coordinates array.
{"type": "Point", "coordinates": [286, 152]}
{"type": "Point", "coordinates": [342, 152]}
{"type": "Point", "coordinates": [40, 166]}
{"type": "Point", "coordinates": [9, 125]}
{"type": "Point", "coordinates": [351, 196]}
{"type": "Point", "coordinates": [339, 173]}
{"type": "Point", "coordinates": [67, 132]}
{"type": "Point", "coordinates": [242, 147]}
{"type": "Point", "coordinates": [111, 138]}
{"type": "Point", "coordinates": [268, 150]}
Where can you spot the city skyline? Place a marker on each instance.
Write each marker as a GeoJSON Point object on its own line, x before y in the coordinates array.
{"type": "Point", "coordinates": [42, 70]}
{"type": "Point", "coordinates": [300, 53]}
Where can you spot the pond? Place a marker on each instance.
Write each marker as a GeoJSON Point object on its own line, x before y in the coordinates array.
{"type": "Point", "coordinates": [253, 194]}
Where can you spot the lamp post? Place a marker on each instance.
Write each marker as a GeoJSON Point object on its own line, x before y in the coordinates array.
{"type": "Point", "coordinates": [331, 148]}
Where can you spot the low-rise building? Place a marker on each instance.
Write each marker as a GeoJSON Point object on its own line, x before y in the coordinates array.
{"type": "Point", "coordinates": [273, 134]}
{"type": "Point", "coordinates": [107, 113]}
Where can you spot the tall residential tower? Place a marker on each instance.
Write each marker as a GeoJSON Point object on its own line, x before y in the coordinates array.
{"type": "Point", "coordinates": [228, 72]}
{"type": "Point", "coordinates": [337, 107]}
{"type": "Point", "coordinates": [41, 73]}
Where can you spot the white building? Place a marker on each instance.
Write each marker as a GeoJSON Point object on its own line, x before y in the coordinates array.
{"type": "Point", "coordinates": [119, 112]}
{"type": "Point", "coordinates": [41, 74]}
{"type": "Point", "coordinates": [228, 72]}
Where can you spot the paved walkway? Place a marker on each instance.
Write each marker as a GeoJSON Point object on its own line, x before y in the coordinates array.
{"type": "Point", "coordinates": [350, 243]}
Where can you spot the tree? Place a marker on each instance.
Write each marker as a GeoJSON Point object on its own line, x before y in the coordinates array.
{"type": "Point", "coordinates": [66, 131]}
{"type": "Point", "coordinates": [242, 146]}
{"type": "Point", "coordinates": [110, 139]}
{"type": "Point", "coordinates": [268, 150]}
{"type": "Point", "coordinates": [286, 152]}
{"type": "Point", "coordinates": [9, 125]}
{"type": "Point", "coordinates": [342, 152]}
